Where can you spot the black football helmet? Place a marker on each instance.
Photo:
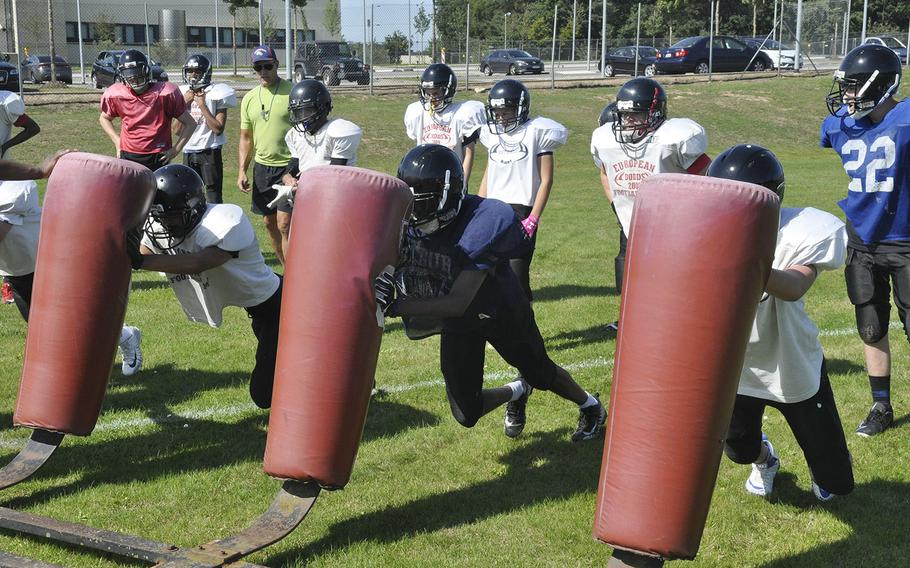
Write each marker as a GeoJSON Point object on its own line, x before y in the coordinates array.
{"type": "Point", "coordinates": [868, 75]}
{"type": "Point", "coordinates": [641, 107]}
{"type": "Point", "coordinates": [437, 87]}
{"type": "Point", "coordinates": [197, 72]}
{"type": "Point", "coordinates": [178, 206]}
{"type": "Point", "coordinates": [309, 104]}
{"type": "Point", "coordinates": [608, 114]}
{"type": "Point", "coordinates": [508, 106]}
{"type": "Point", "coordinates": [436, 178]}
{"type": "Point", "coordinates": [750, 163]}
{"type": "Point", "coordinates": [133, 69]}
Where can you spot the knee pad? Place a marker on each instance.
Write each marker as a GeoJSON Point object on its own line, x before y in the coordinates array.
{"type": "Point", "coordinates": [872, 321]}
{"type": "Point", "coordinates": [462, 418]}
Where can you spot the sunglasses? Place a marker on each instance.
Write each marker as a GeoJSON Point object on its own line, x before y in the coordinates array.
{"type": "Point", "coordinates": [266, 66]}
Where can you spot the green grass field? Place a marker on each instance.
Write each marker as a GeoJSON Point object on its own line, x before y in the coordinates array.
{"type": "Point", "coordinates": [177, 453]}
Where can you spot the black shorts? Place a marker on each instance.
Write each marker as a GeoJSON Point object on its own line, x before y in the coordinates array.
{"type": "Point", "coordinates": [523, 212]}
{"type": "Point", "coordinates": [264, 320]}
{"type": "Point", "coordinates": [264, 177]}
{"type": "Point", "coordinates": [151, 161]}
{"type": "Point", "coordinates": [870, 275]}
{"type": "Point", "coordinates": [815, 424]}
{"type": "Point", "coordinates": [210, 168]}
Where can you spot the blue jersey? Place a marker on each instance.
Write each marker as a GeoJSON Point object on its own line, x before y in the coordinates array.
{"type": "Point", "coordinates": [877, 159]}
{"type": "Point", "coordinates": [484, 236]}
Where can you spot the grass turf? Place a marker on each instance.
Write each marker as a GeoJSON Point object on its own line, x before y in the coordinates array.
{"type": "Point", "coordinates": [177, 453]}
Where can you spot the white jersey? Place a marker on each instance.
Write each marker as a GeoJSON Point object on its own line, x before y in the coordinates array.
{"type": "Point", "coordinates": [217, 97]}
{"type": "Point", "coordinates": [450, 128]}
{"type": "Point", "coordinates": [338, 138]}
{"type": "Point", "coordinates": [513, 170]}
{"type": "Point", "coordinates": [784, 357]}
{"type": "Point", "coordinates": [11, 108]}
{"type": "Point", "coordinates": [19, 208]}
{"type": "Point", "coordinates": [244, 281]}
{"type": "Point", "coordinates": [671, 149]}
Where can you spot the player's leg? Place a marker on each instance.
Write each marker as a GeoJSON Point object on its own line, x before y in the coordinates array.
{"type": "Point", "coordinates": [461, 357]}
{"type": "Point", "coordinates": [746, 444]}
{"type": "Point", "coordinates": [283, 219]}
{"type": "Point", "coordinates": [521, 266]}
{"type": "Point", "coordinates": [619, 266]}
{"type": "Point", "coordinates": [21, 287]}
{"type": "Point", "coordinates": [817, 428]}
{"type": "Point", "coordinates": [868, 287]}
{"type": "Point", "coordinates": [264, 320]}
{"type": "Point", "coordinates": [215, 185]}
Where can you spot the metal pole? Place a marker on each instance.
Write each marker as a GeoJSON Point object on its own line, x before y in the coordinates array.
{"type": "Point", "coordinates": [847, 27]}
{"type": "Point", "coordinates": [259, 10]}
{"type": "Point", "coordinates": [637, 38]}
{"type": "Point", "coordinates": [217, 37]}
{"type": "Point", "coordinates": [467, 49]}
{"type": "Point", "coordinates": [78, 27]}
{"type": "Point", "coordinates": [288, 55]}
{"type": "Point", "coordinates": [364, 51]}
{"type": "Point", "coordinates": [409, 32]}
{"type": "Point", "coordinates": [553, 51]}
{"type": "Point", "coordinates": [372, 41]}
{"type": "Point", "coordinates": [603, 38]}
{"type": "Point", "coordinates": [844, 42]}
{"type": "Point", "coordinates": [907, 58]}
{"type": "Point", "coordinates": [148, 41]}
{"type": "Point", "coordinates": [711, 42]}
{"type": "Point", "coordinates": [865, 12]}
{"type": "Point", "coordinates": [16, 41]}
{"type": "Point", "coordinates": [589, 36]}
{"type": "Point", "coordinates": [574, 8]}
{"type": "Point", "coordinates": [774, 27]}
{"type": "Point", "coordinates": [799, 30]}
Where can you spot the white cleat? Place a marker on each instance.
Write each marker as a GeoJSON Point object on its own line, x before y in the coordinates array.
{"type": "Point", "coordinates": [132, 352]}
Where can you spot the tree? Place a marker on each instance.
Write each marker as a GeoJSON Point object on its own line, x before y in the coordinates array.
{"type": "Point", "coordinates": [233, 6]}
{"type": "Point", "coordinates": [333, 19]}
{"type": "Point", "coordinates": [395, 45]}
{"type": "Point", "coordinates": [299, 5]}
{"type": "Point", "coordinates": [422, 23]}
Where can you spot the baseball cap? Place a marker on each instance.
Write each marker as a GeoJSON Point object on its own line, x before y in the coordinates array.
{"type": "Point", "coordinates": [264, 53]}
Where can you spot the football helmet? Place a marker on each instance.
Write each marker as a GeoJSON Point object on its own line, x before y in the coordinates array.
{"type": "Point", "coordinates": [436, 178]}
{"type": "Point", "coordinates": [641, 107]}
{"type": "Point", "coordinates": [178, 206]}
{"type": "Point", "coordinates": [508, 106]}
{"type": "Point", "coordinates": [750, 163]}
{"type": "Point", "coordinates": [867, 76]}
{"type": "Point", "coordinates": [309, 104]}
{"type": "Point", "coordinates": [437, 87]}
{"type": "Point", "coordinates": [608, 114]}
{"type": "Point", "coordinates": [133, 69]}
{"type": "Point", "coordinates": [197, 72]}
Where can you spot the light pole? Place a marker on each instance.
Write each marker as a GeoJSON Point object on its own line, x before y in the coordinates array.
{"type": "Point", "coordinates": [505, 29]}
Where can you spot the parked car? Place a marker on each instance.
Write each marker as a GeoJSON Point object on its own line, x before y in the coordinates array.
{"type": "Point", "coordinates": [690, 55]}
{"type": "Point", "coordinates": [510, 62]}
{"type": "Point", "coordinates": [9, 76]}
{"type": "Point", "coordinates": [774, 49]}
{"type": "Point", "coordinates": [37, 69]}
{"type": "Point", "coordinates": [330, 61]}
{"type": "Point", "coordinates": [104, 69]}
{"type": "Point", "coordinates": [896, 45]}
{"type": "Point", "coordinates": [622, 60]}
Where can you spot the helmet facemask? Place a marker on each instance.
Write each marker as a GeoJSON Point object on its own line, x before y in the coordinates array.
{"type": "Point", "coordinates": [633, 126]}
{"type": "Point", "coordinates": [197, 76]}
{"type": "Point", "coordinates": [169, 228]}
{"type": "Point", "coordinates": [308, 118]}
{"type": "Point", "coordinates": [435, 97]}
{"type": "Point", "coordinates": [861, 94]}
{"type": "Point", "coordinates": [136, 75]}
{"type": "Point", "coordinates": [502, 119]}
{"type": "Point", "coordinates": [428, 214]}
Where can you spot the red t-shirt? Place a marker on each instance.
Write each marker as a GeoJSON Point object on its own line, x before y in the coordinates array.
{"type": "Point", "coordinates": [146, 118]}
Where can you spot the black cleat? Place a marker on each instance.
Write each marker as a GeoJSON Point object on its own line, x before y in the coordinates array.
{"type": "Point", "coordinates": [590, 421]}
{"type": "Point", "coordinates": [880, 418]}
{"type": "Point", "coordinates": [515, 413]}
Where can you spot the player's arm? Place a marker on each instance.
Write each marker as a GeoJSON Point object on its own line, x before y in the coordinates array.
{"type": "Point", "coordinates": [700, 166]}
{"type": "Point", "coordinates": [29, 129]}
{"type": "Point", "coordinates": [468, 162]}
{"type": "Point", "coordinates": [244, 149]}
{"type": "Point", "coordinates": [545, 163]}
{"type": "Point", "coordinates": [482, 190]}
{"type": "Point", "coordinates": [189, 125]}
{"type": "Point", "coordinates": [452, 305]}
{"type": "Point", "coordinates": [215, 122]}
{"type": "Point", "coordinates": [791, 283]}
{"type": "Point", "coordinates": [10, 170]}
{"type": "Point", "coordinates": [194, 263]}
{"type": "Point", "coordinates": [605, 182]}
{"type": "Point", "coordinates": [107, 125]}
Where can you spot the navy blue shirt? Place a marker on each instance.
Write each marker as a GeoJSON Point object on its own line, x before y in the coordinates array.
{"type": "Point", "coordinates": [484, 236]}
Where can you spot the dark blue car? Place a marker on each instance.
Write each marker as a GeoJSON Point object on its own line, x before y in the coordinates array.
{"type": "Point", "coordinates": [691, 55]}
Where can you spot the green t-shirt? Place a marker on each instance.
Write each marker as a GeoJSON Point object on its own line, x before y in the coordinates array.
{"type": "Point", "coordinates": [264, 111]}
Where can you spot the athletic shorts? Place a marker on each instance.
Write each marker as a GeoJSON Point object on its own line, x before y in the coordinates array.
{"type": "Point", "coordinates": [264, 177]}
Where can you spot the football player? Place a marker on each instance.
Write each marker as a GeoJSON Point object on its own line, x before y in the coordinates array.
{"type": "Point", "coordinates": [20, 219]}
{"type": "Point", "coordinates": [454, 280]}
{"type": "Point", "coordinates": [145, 109]}
{"type": "Point", "coordinates": [315, 140]}
{"type": "Point", "coordinates": [211, 257]}
{"type": "Point", "coordinates": [870, 131]}
{"type": "Point", "coordinates": [520, 165]}
{"type": "Point", "coordinates": [208, 104]}
{"type": "Point", "coordinates": [639, 142]}
{"type": "Point", "coordinates": [436, 119]}
{"type": "Point", "coordinates": [784, 366]}
{"type": "Point", "coordinates": [12, 114]}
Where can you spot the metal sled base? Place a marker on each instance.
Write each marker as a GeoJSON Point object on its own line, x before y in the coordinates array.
{"type": "Point", "coordinates": [36, 452]}
{"type": "Point", "coordinates": [289, 508]}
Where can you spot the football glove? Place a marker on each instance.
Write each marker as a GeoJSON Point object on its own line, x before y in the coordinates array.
{"type": "Point", "coordinates": [530, 225]}
{"type": "Point", "coordinates": [285, 195]}
{"type": "Point", "coordinates": [384, 290]}
{"type": "Point", "coordinates": [133, 242]}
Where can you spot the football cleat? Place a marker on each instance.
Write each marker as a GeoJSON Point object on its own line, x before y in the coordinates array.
{"type": "Point", "coordinates": [132, 352]}
{"type": "Point", "coordinates": [880, 418]}
{"type": "Point", "coordinates": [514, 421]}
{"type": "Point", "coordinates": [590, 421]}
{"type": "Point", "coordinates": [761, 481]}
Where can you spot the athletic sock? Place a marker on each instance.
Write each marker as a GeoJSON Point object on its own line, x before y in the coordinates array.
{"type": "Point", "coordinates": [881, 389]}
{"type": "Point", "coordinates": [125, 334]}
{"type": "Point", "coordinates": [518, 389]}
{"type": "Point", "coordinates": [590, 402]}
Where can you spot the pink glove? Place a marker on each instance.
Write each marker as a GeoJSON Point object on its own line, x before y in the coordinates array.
{"type": "Point", "coordinates": [530, 225]}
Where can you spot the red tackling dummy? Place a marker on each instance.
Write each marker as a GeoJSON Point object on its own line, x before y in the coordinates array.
{"type": "Point", "coordinates": [699, 256]}
{"type": "Point", "coordinates": [82, 279]}
{"type": "Point", "coordinates": [347, 228]}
